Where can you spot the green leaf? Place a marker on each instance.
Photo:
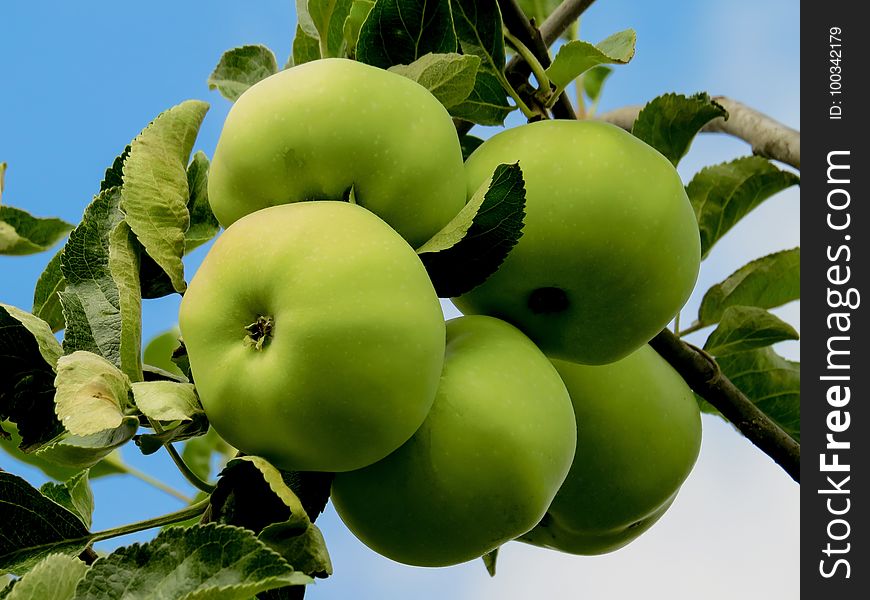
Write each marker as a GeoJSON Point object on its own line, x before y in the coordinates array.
{"type": "Point", "coordinates": [90, 300]}
{"type": "Point", "coordinates": [114, 176]}
{"type": "Point", "coordinates": [251, 498]}
{"type": "Point", "coordinates": [305, 47]}
{"type": "Point", "coordinates": [111, 465]}
{"type": "Point", "coordinates": [486, 105]}
{"type": "Point", "coordinates": [472, 246]}
{"type": "Point", "coordinates": [7, 582]}
{"type": "Point", "coordinates": [198, 451]}
{"type": "Point", "coordinates": [203, 224]}
{"type": "Point", "coordinates": [28, 353]}
{"type": "Point", "coordinates": [489, 560]}
{"type": "Point", "coordinates": [75, 495]}
{"type": "Point", "coordinates": [398, 32]}
{"type": "Point", "coordinates": [304, 548]}
{"type": "Point", "coordinates": [746, 328]}
{"type": "Point", "coordinates": [329, 17]}
{"type": "Point", "coordinates": [83, 452]}
{"type": "Point", "coordinates": [91, 393]}
{"type": "Point", "coordinates": [180, 359]}
{"type": "Point", "coordinates": [166, 400]}
{"type": "Point", "coordinates": [46, 295]}
{"type": "Point", "coordinates": [670, 122]}
{"type": "Point", "coordinates": [158, 352]}
{"type": "Point", "coordinates": [449, 77]}
{"type": "Point", "coordinates": [240, 68]}
{"type": "Point", "coordinates": [304, 20]}
{"type": "Point", "coordinates": [10, 446]}
{"type": "Point", "coordinates": [359, 11]}
{"type": "Point", "coordinates": [723, 194]}
{"type": "Point", "coordinates": [124, 267]}
{"type": "Point", "coordinates": [577, 57]}
{"type": "Point", "coordinates": [254, 494]}
{"type": "Point", "coordinates": [53, 578]}
{"type": "Point", "coordinates": [593, 81]}
{"type": "Point", "coordinates": [771, 382]}
{"type": "Point", "coordinates": [21, 233]}
{"type": "Point", "coordinates": [479, 29]}
{"type": "Point", "coordinates": [279, 487]}
{"type": "Point", "coordinates": [538, 10]}
{"type": "Point", "coordinates": [32, 526]}
{"type": "Point", "coordinates": [155, 193]}
{"type": "Point", "coordinates": [766, 282]}
{"type": "Point", "coordinates": [192, 563]}
{"type": "Point", "coordinates": [469, 144]}
{"type": "Point", "coordinates": [49, 348]}
{"type": "Point", "coordinates": [155, 282]}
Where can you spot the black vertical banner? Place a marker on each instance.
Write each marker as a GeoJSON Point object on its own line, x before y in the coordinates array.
{"type": "Point", "coordinates": [835, 369]}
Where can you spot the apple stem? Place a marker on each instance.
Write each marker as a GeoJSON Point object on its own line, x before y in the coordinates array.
{"type": "Point", "coordinates": [538, 69]}
{"type": "Point", "coordinates": [517, 69]}
{"type": "Point", "coordinates": [524, 108]}
{"type": "Point", "coordinates": [191, 477]}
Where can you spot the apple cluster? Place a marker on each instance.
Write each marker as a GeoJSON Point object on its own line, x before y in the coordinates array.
{"type": "Point", "coordinates": [316, 338]}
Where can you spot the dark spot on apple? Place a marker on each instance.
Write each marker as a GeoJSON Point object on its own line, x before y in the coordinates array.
{"type": "Point", "coordinates": [548, 300]}
{"type": "Point", "coordinates": [259, 332]}
{"type": "Point", "coordinates": [635, 524]}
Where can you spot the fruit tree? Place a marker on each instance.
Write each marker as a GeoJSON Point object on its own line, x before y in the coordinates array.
{"type": "Point", "coordinates": [414, 277]}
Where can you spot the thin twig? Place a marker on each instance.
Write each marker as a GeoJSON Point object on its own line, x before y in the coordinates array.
{"type": "Point", "coordinates": [516, 21]}
{"type": "Point", "coordinates": [561, 18]}
{"type": "Point", "coordinates": [191, 477]}
{"type": "Point", "coordinates": [768, 137]}
{"type": "Point", "coordinates": [704, 377]}
{"type": "Point", "coordinates": [177, 517]}
{"type": "Point", "coordinates": [696, 326]}
{"type": "Point", "coordinates": [530, 58]}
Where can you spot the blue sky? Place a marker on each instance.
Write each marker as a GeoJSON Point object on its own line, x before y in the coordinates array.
{"type": "Point", "coordinates": [79, 81]}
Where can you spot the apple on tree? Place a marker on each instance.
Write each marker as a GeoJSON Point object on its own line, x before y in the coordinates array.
{"type": "Point", "coordinates": [610, 248]}
{"type": "Point", "coordinates": [485, 464]}
{"type": "Point", "coordinates": [336, 129]}
{"type": "Point", "coordinates": [638, 436]}
{"type": "Point", "coordinates": [314, 335]}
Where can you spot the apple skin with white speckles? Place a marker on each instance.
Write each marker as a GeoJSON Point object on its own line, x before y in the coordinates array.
{"type": "Point", "coordinates": [610, 249]}
{"type": "Point", "coordinates": [314, 131]}
{"type": "Point", "coordinates": [349, 364]}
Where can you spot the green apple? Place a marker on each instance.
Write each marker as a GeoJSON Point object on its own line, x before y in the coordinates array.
{"type": "Point", "coordinates": [610, 248]}
{"type": "Point", "coordinates": [638, 436]}
{"type": "Point", "coordinates": [329, 128]}
{"type": "Point", "coordinates": [314, 335]}
{"type": "Point", "coordinates": [485, 464]}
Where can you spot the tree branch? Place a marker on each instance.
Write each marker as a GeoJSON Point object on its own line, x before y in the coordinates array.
{"type": "Point", "coordinates": [516, 21]}
{"type": "Point", "coordinates": [768, 137]}
{"type": "Point", "coordinates": [561, 18]}
{"type": "Point", "coordinates": [704, 377]}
